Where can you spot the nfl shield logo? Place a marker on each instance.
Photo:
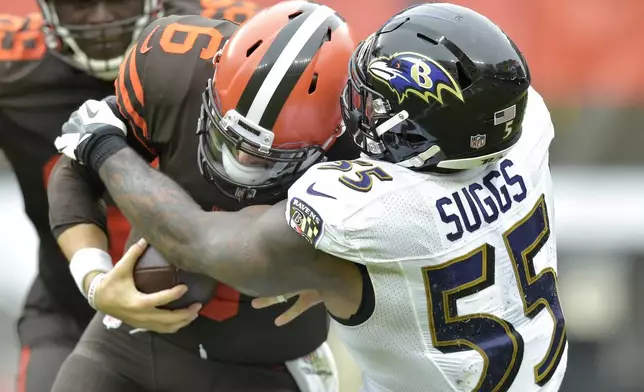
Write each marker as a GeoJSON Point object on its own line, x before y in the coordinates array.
{"type": "Point", "coordinates": [477, 141]}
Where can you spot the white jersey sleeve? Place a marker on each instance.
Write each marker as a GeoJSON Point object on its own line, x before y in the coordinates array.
{"type": "Point", "coordinates": [538, 133]}
{"type": "Point", "coordinates": [326, 204]}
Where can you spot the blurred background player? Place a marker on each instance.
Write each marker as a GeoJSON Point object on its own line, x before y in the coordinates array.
{"type": "Point", "coordinates": [434, 252]}
{"type": "Point", "coordinates": [283, 71]}
{"type": "Point", "coordinates": [50, 62]}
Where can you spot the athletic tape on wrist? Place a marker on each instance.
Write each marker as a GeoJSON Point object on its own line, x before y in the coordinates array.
{"type": "Point", "coordinates": [89, 260]}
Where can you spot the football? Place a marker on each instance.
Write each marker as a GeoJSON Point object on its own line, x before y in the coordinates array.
{"type": "Point", "coordinates": [154, 273]}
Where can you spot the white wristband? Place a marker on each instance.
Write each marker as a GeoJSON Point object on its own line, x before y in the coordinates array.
{"type": "Point", "coordinates": [91, 291]}
{"type": "Point", "coordinates": [89, 260]}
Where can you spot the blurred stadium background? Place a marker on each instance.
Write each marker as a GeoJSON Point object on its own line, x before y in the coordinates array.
{"type": "Point", "coordinates": [585, 58]}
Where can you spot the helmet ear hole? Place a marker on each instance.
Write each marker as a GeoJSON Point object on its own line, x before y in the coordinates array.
{"type": "Point", "coordinates": [327, 37]}
{"type": "Point", "coordinates": [463, 80]}
{"type": "Point", "coordinates": [426, 38]}
{"type": "Point", "coordinates": [314, 83]}
{"type": "Point", "coordinates": [253, 48]}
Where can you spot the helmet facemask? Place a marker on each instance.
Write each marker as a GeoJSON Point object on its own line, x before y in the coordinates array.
{"type": "Point", "coordinates": [238, 156]}
{"type": "Point", "coordinates": [98, 49]}
{"type": "Point", "coordinates": [373, 124]}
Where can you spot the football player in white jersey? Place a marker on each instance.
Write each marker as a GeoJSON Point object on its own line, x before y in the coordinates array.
{"type": "Point", "coordinates": [435, 253]}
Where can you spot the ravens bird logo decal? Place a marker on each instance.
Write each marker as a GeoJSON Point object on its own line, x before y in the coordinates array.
{"type": "Point", "coordinates": [409, 72]}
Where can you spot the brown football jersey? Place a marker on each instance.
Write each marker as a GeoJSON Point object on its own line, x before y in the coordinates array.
{"type": "Point", "coordinates": [159, 92]}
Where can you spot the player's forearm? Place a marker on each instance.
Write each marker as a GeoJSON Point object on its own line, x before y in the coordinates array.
{"type": "Point", "coordinates": [74, 199]}
{"type": "Point", "coordinates": [160, 210]}
{"type": "Point", "coordinates": [78, 221]}
{"type": "Point", "coordinates": [169, 219]}
{"type": "Point", "coordinates": [230, 247]}
{"type": "Point", "coordinates": [81, 236]}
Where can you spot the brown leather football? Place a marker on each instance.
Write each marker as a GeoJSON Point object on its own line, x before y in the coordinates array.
{"type": "Point", "coordinates": [154, 273]}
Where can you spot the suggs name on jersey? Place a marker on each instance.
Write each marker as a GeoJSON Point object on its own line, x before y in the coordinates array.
{"type": "Point", "coordinates": [482, 201]}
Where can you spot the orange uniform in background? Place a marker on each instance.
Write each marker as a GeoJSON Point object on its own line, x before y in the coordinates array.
{"type": "Point", "coordinates": [20, 8]}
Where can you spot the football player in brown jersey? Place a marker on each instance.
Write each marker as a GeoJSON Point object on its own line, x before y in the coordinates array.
{"type": "Point", "coordinates": [277, 80]}
{"type": "Point", "coordinates": [50, 63]}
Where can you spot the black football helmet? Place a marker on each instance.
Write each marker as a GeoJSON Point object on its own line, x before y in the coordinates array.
{"type": "Point", "coordinates": [438, 88]}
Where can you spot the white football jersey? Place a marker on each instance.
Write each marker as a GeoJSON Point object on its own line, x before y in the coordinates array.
{"type": "Point", "coordinates": [463, 267]}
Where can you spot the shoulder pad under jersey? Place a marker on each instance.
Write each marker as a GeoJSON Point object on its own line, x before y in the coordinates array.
{"type": "Point", "coordinates": [171, 60]}
{"type": "Point", "coordinates": [322, 204]}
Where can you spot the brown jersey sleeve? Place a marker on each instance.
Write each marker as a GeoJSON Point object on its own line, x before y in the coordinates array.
{"type": "Point", "coordinates": [159, 70]}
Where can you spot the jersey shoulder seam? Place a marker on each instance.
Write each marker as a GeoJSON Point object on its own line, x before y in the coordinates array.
{"type": "Point", "coordinates": [349, 214]}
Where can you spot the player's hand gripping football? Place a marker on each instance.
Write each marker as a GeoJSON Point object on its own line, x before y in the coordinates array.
{"type": "Point", "coordinates": [306, 300]}
{"type": "Point", "coordinates": [89, 128]}
{"type": "Point", "coordinates": [117, 296]}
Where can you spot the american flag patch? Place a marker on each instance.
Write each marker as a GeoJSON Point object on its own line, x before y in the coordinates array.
{"type": "Point", "coordinates": [505, 115]}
